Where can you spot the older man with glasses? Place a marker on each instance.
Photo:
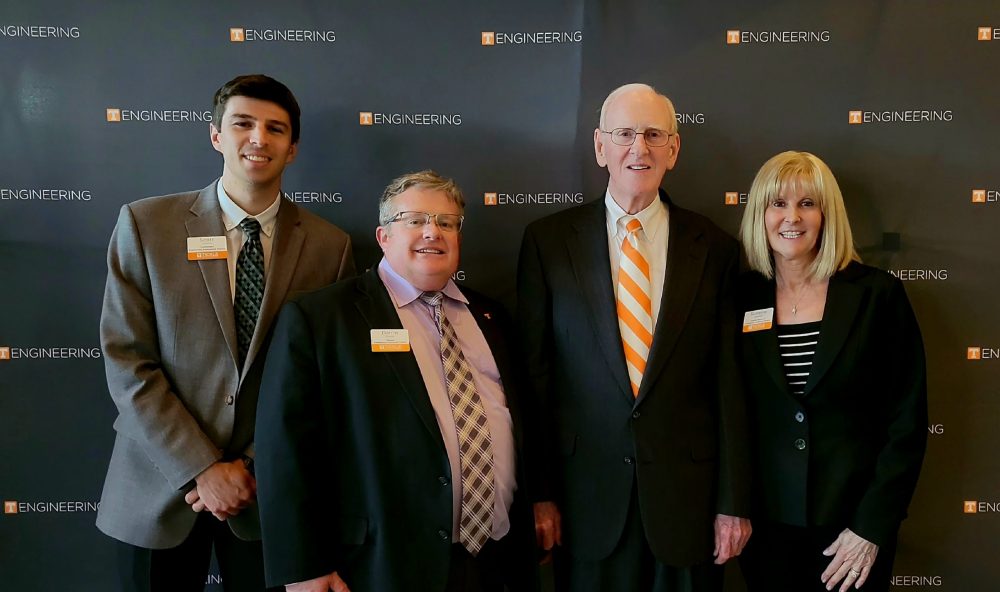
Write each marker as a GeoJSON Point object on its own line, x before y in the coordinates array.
{"type": "Point", "coordinates": [639, 470]}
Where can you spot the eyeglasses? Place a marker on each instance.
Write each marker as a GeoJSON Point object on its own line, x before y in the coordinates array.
{"type": "Point", "coordinates": [625, 136]}
{"type": "Point", "coordinates": [414, 220]}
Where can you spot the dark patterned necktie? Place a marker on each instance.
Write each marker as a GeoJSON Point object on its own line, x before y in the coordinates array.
{"type": "Point", "coordinates": [249, 286]}
{"type": "Point", "coordinates": [475, 446]}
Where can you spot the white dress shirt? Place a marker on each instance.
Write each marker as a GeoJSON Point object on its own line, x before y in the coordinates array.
{"type": "Point", "coordinates": [655, 235]}
{"type": "Point", "coordinates": [232, 215]}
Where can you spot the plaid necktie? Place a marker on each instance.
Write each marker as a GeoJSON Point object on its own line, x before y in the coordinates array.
{"type": "Point", "coordinates": [474, 441]}
{"type": "Point", "coordinates": [249, 286]}
{"type": "Point", "coordinates": [635, 308]}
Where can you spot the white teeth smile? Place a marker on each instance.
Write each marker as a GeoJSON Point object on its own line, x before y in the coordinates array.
{"type": "Point", "coordinates": [638, 167]}
{"type": "Point", "coordinates": [255, 158]}
{"type": "Point", "coordinates": [432, 251]}
{"type": "Point", "coordinates": [791, 234]}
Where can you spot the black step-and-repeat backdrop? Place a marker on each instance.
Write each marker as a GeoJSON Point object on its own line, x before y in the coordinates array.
{"type": "Point", "coordinates": [105, 103]}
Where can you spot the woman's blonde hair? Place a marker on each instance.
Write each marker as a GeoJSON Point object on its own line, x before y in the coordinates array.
{"type": "Point", "coordinates": [836, 245]}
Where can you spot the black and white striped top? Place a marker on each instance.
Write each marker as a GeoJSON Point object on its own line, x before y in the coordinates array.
{"type": "Point", "coordinates": [797, 346]}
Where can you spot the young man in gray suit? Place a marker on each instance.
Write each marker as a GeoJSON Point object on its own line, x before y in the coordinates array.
{"type": "Point", "coordinates": [194, 282]}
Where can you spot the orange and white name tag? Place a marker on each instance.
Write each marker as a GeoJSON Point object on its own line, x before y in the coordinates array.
{"type": "Point", "coordinates": [207, 247]}
{"type": "Point", "coordinates": [390, 340]}
{"type": "Point", "coordinates": [758, 320]}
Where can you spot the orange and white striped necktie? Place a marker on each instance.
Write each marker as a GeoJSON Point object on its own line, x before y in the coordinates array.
{"type": "Point", "coordinates": [635, 308]}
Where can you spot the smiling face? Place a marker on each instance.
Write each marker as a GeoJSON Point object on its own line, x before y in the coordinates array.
{"type": "Point", "coordinates": [636, 171]}
{"type": "Point", "coordinates": [425, 256]}
{"type": "Point", "coordinates": [255, 139]}
{"type": "Point", "coordinates": [794, 222]}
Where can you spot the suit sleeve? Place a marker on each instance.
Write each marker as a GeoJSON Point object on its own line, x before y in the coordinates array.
{"type": "Point", "coordinates": [734, 461]}
{"type": "Point", "coordinates": [149, 411]}
{"type": "Point", "coordinates": [345, 269]}
{"type": "Point", "coordinates": [294, 462]}
{"type": "Point", "coordinates": [884, 503]}
{"type": "Point", "coordinates": [535, 323]}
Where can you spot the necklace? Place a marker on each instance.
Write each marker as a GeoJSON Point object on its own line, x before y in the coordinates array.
{"type": "Point", "coordinates": [802, 294]}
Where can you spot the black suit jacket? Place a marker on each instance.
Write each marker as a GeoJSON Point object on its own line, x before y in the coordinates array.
{"type": "Point", "coordinates": [352, 471]}
{"type": "Point", "coordinates": [863, 416]}
{"type": "Point", "coordinates": [681, 442]}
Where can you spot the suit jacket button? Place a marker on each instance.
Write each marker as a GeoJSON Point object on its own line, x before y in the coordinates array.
{"type": "Point", "coordinates": [444, 535]}
{"type": "Point", "coordinates": [230, 399]}
{"type": "Point", "coordinates": [635, 415]}
{"type": "Point", "coordinates": [800, 444]}
{"type": "Point", "coordinates": [443, 480]}
{"type": "Point", "coordinates": [628, 460]}
{"type": "Point", "coordinates": [800, 417]}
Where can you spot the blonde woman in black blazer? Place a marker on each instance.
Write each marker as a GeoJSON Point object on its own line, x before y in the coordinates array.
{"type": "Point", "coordinates": [834, 364]}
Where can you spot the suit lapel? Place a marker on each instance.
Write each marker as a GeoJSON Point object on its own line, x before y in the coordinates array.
{"type": "Point", "coordinates": [761, 296]}
{"type": "Point", "coordinates": [843, 300]}
{"type": "Point", "coordinates": [285, 249]}
{"type": "Point", "coordinates": [686, 254]}
{"type": "Point", "coordinates": [206, 220]}
{"type": "Point", "coordinates": [378, 311]}
{"type": "Point", "coordinates": [592, 266]}
{"type": "Point", "coordinates": [487, 319]}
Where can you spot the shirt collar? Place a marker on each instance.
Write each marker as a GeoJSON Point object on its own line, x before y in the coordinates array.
{"type": "Point", "coordinates": [233, 214]}
{"type": "Point", "coordinates": [403, 292]}
{"type": "Point", "coordinates": [653, 217]}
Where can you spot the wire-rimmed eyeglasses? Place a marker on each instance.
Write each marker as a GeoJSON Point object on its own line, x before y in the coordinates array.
{"type": "Point", "coordinates": [414, 220]}
{"type": "Point", "coordinates": [625, 136]}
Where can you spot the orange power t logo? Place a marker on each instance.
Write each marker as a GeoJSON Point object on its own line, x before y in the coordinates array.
{"type": "Point", "coordinates": [969, 507]}
{"type": "Point", "coordinates": [237, 35]}
{"type": "Point", "coordinates": [732, 37]}
{"type": "Point", "coordinates": [732, 198]}
{"type": "Point", "coordinates": [974, 353]}
{"type": "Point", "coordinates": [365, 118]}
{"type": "Point", "coordinates": [10, 507]}
{"type": "Point", "coordinates": [489, 38]}
{"type": "Point", "coordinates": [114, 114]}
{"type": "Point", "coordinates": [978, 196]}
{"type": "Point", "coordinates": [985, 33]}
{"type": "Point", "coordinates": [854, 117]}
{"type": "Point", "coordinates": [490, 199]}
{"type": "Point", "coordinates": [4, 353]}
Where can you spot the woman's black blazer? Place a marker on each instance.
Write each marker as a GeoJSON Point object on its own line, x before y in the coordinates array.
{"type": "Point", "coordinates": [846, 453]}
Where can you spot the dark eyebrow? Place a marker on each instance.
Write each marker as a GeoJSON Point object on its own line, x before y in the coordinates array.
{"type": "Point", "coordinates": [251, 117]}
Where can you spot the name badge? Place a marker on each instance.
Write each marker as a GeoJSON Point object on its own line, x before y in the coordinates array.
{"type": "Point", "coordinates": [390, 340]}
{"type": "Point", "coordinates": [758, 320]}
{"type": "Point", "coordinates": [207, 247]}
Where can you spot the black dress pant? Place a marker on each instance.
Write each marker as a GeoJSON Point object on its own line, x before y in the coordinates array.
{"type": "Point", "coordinates": [184, 568]}
{"type": "Point", "coordinates": [631, 567]}
{"type": "Point", "coordinates": [784, 557]}
{"type": "Point", "coordinates": [481, 573]}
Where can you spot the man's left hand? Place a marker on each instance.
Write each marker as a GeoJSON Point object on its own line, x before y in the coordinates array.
{"type": "Point", "coordinates": [731, 535]}
{"type": "Point", "coordinates": [548, 528]}
{"type": "Point", "coordinates": [223, 489]}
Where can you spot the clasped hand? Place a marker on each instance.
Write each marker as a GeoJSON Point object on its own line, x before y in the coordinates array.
{"type": "Point", "coordinates": [223, 489]}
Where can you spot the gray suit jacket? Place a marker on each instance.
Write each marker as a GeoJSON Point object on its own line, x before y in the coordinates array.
{"type": "Point", "coordinates": [168, 334]}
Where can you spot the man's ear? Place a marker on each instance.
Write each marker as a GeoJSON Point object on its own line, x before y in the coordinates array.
{"type": "Point", "coordinates": [673, 149]}
{"type": "Point", "coordinates": [602, 159]}
{"type": "Point", "coordinates": [381, 236]}
{"type": "Point", "coordinates": [213, 134]}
